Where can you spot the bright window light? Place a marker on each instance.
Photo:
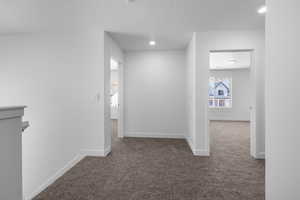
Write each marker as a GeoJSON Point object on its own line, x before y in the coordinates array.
{"type": "Point", "coordinates": [114, 65]}
{"type": "Point", "coordinates": [152, 43]}
{"type": "Point", "coordinates": [262, 10]}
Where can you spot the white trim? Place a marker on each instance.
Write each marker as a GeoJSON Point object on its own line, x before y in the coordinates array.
{"type": "Point", "coordinates": [155, 135]}
{"type": "Point", "coordinates": [206, 150]}
{"type": "Point", "coordinates": [96, 152]}
{"type": "Point", "coordinates": [4, 108]}
{"type": "Point", "coordinates": [83, 153]}
{"type": "Point", "coordinates": [196, 152]}
{"type": "Point", "coordinates": [190, 143]}
{"type": "Point", "coordinates": [57, 175]}
{"type": "Point", "coordinates": [253, 113]}
{"type": "Point", "coordinates": [201, 152]}
{"type": "Point", "coordinates": [107, 151]}
{"type": "Point", "coordinates": [121, 101]}
{"type": "Point", "coordinates": [11, 112]}
{"type": "Point", "coordinates": [260, 155]}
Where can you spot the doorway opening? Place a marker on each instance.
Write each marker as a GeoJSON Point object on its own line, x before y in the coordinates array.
{"type": "Point", "coordinates": [231, 97]}
{"type": "Point", "coordinates": [114, 96]}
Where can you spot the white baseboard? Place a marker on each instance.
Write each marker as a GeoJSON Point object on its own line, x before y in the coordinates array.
{"type": "Point", "coordinates": [190, 143]}
{"type": "Point", "coordinates": [155, 135]}
{"type": "Point", "coordinates": [83, 153]}
{"type": "Point", "coordinates": [96, 152]}
{"type": "Point", "coordinates": [260, 155]}
{"type": "Point", "coordinates": [107, 150]}
{"type": "Point", "coordinates": [201, 152]}
{"type": "Point", "coordinates": [196, 152]}
{"type": "Point", "coordinates": [57, 175]}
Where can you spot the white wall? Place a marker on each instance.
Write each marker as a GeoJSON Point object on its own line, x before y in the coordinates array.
{"type": "Point", "coordinates": [282, 100]}
{"type": "Point", "coordinates": [241, 95]}
{"type": "Point", "coordinates": [58, 76]}
{"type": "Point", "coordinates": [190, 91]}
{"type": "Point", "coordinates": [155, 98]}
{"type": "Point", "coordinates": [228, 40]}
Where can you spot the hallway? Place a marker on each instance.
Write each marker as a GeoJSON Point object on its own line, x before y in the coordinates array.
{"type": "Point", "coordinates": [165, 169]}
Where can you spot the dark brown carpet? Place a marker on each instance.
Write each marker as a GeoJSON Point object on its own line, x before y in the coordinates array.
{"type": "Point", "coordinates": [165, 169]}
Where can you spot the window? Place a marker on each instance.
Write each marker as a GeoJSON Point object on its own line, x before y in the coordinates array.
{"type": "Point", "coordinates": [220, 95]}
{"type": "Point", "coordinates": [114, 100]}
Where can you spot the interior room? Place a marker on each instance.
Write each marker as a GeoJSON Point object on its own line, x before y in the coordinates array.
{"type": "Point", "coordinates": [139, 99]}
{"type": "Point", "coordinates": [230, 103]}
{"type": "Point", "coordinates": [151, 109]}
{"type": "Point", "coordinates": [230, 98]}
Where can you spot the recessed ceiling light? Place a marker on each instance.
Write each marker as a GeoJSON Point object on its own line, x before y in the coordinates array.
{"type": "Point", "coordinates": [262, 10]}
{"type": "Point", "coordinates": [152, 43]}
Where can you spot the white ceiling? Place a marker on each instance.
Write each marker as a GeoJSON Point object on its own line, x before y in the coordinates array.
{"type": "Point", "coordinates": [140, 41]}
{"type": "Point", "coordinates": [170, 22]}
